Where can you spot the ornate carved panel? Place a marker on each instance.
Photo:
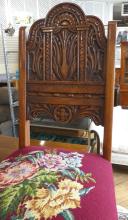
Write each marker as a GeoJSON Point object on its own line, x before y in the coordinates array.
{"type": "Point", "coordinates": [67, 49]}
{"type": "Point", "coordinates": [67, 45]}
{"type": "Point", "coordinates": [96, 49]}
{"type": "Point", "coordinates": [65, 113]}
{"type": "Point", "coordinates": [65, 14]}
{"type": "Point", "coordinates": [36, 51]}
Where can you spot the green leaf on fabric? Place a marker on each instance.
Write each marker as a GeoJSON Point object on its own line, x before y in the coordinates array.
{"type": "Point", "coordinates": [85, 191]}
{"type": "Point", "coordinates": [88, 177]}
{"type": "Point", "coordinates": [39, 154]}
{"type": "Point", "coordinates": [45, 176]}
{"type": "Point", "coordinates": [82, 176]}
{"type": "Point", "coordinates": [28, 215]}
{"type": "Point", "coordinates": [52, 188]}
{"type": "Point", "coordinates": [11, 197]}
{"type": "Point", "coordinates": [16, 218]}
{"type": "Point", "coordinates": [68, 174]}
{"type": "Point", "coordinates": [32, 159]}
{"type": "Point", "coordinates": [67, 215]}
{"type": "Point", "coordinates": [76, 170]}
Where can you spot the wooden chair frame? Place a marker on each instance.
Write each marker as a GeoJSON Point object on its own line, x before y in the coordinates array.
{"type": "Point", "coordinates": [24, 126]}
{"type": "Point", "coordinates": [121, 76]}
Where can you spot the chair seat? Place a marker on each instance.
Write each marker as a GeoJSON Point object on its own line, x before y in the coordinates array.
{"type": "Point", "coordinates": [44, 183]}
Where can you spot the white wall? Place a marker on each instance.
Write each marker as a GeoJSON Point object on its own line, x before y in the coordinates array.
{"type": "Point", "coordinates": [11, 44]}
{"type": "Point", "coordinates": [38, 9]}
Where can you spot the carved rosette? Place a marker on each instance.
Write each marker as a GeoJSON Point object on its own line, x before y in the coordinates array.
{"type": "Point", "coordinates": [63, 113]}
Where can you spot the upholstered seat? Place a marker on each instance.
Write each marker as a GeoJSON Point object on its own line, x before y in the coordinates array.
{"type": "Point", "coordinates": [57, 182]}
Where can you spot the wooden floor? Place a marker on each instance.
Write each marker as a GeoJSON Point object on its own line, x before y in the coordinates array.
{"type": "Point", "coordinates": [121, 184]}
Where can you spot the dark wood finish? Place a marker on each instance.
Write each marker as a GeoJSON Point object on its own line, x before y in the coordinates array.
{"type": "Point", "coordinates": [123, 75]}
{"type": "Point", "coordinates": [69, 69]}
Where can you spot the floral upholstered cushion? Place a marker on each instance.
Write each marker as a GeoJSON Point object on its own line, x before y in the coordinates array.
{"type": "Point", "coordinates": [39, 183]}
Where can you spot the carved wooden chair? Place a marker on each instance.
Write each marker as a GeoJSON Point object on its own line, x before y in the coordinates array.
{"type": "Point", "coordinates": [122, 76]}
{"type": "Point", "coordinates": [66, 73]}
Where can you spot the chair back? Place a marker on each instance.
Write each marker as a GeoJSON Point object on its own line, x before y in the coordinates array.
{"type": "Point", "coordinates": [67, 70]}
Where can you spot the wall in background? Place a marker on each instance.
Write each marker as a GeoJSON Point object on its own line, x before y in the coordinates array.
{"type": "Point", "coordinates": [39, 8]}
{"type": "Point", "coordinates": [27, 11]}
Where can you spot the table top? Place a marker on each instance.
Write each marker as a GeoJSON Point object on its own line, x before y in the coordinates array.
{"type": "Point", "coordinates": [9, 144]}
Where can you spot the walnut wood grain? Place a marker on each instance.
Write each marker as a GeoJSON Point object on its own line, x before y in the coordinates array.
{"type": "Point", "coordinates": [109, 95]}
{"type": "Point", "coordinates": [66, 56]}
{"type": "Point", "coordinates": [24, 125]}
{"type": "Point", "coordinates": [69, 69]}
{"type": "Point", "coordinates": [123, 75]}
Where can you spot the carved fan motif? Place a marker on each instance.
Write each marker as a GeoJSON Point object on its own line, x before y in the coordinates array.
{"type": "Point", "coordinates": [65, 14]}
{"type": "Point", "coordinates": [65, 55]}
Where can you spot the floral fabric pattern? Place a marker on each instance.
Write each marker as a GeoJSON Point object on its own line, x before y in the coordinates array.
{"type": "Point", "coordinates": [42, 185]}
{"type": "Point", "coordinates": [17, 174]}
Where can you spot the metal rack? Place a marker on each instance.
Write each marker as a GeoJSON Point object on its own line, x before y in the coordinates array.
{"type": "Point", "coordinates": [12, 104]}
